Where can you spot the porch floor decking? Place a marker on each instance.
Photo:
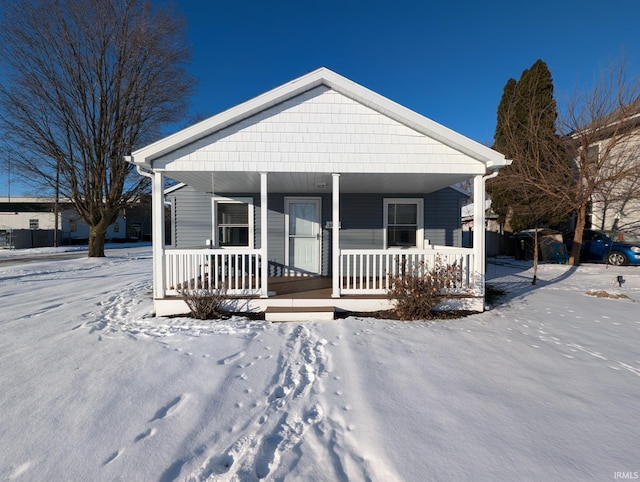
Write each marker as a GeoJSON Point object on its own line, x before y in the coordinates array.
{"type": "Point", "coordinates": [307, 287]}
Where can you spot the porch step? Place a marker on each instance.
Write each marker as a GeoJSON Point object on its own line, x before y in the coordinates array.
{"type": "Point", "coordinates": [299, 313]}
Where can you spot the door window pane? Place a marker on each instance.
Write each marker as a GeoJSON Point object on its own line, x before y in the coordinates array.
{"type": "Point", "coordinates": [302, 217]}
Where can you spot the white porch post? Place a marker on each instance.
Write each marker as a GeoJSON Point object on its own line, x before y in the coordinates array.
{"type": "Point", "coordinates": [157, 219]}
{"type": "Point", "coordinates": [335, 237]}
{"type": "Point", "coordinates": [264, 265]}
{"type": "Point", "coordinates": [479, 251]}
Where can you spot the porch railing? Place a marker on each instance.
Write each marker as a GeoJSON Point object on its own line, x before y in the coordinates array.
{"type": "Point", "coordinates": [237, 270]}
{"type": "Point", "coordinates": [366, 271]}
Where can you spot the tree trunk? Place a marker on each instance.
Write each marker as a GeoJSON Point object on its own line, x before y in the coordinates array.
{"type": "Point", "coordinates": [96, 241]}
{"type": "Point", "coordinates": [535, 257]}
{"type": "Point", "coordinates": [576, 247]}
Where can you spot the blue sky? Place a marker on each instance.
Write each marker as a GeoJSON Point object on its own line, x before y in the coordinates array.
{"type": "Point", "coordinates": [446, 60]}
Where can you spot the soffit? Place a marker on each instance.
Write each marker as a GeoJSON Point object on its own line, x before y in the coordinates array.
{"type": "Point", "coordinates": [318, 183]}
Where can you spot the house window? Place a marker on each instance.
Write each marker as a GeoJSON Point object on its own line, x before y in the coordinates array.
{"type": "Point", "coordinates": [233, 223]}
{"type": "Point", "coordinates": [73, 225]}
{"type": "Point", "coordinates": [116, 227]}
{"type": "Point", "coordinates": [403, 223]}
{"type": "Point", "coordinates": [34, 224]}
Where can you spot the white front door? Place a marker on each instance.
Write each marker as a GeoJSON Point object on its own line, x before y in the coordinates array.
{"type": "Point", "coordinates": [302, 230]}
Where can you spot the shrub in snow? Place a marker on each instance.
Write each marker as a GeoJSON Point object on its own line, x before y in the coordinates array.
{"type": "Point", "coordinates": [204, 302]}
{"type": "Point", "coordinates": [418, 288]}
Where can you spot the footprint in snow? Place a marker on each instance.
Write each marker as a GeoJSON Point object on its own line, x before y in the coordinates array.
{"type": "Point", "coordinates": [267, 457]}
{"type": "Point", "coordinates": [20, 470]}
{"type": "Point", "coordinates": [168, 409]}
{"type": "Point", "coordinates": [112, 457]}
{"type": "Point", "coordinates": [221, 464]}
{"type": "Point", "coordinates": [146, 434]}
{"type": "Point", "coordinates": [231, 358]}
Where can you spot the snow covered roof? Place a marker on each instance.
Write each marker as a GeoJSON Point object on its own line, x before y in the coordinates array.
{"type": "Point", "coordinates": [467, 209]}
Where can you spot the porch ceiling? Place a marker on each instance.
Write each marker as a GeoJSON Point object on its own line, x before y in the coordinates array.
{"type": "Point", "coordinates": [300, 182]}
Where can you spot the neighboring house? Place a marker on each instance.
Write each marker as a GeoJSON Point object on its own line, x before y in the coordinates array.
{"type": "Point", "coordinates": [618, 209]}
{"type": "Point", "coordinates": [494, 238]}
{"type": "Point", "coordinates": [29, 222]}
{"type": "Point", "coordinates": [308, 196]}
{"type": "Point", "coordinates": [616, 206]}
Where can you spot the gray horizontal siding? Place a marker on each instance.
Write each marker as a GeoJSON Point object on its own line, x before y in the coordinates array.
{"type": "Point", "coordinates": [192, 221]}
{"type": "Point", "coordinates": [442, 224]}
{"type": "Point", "coordinates": [362, 221]}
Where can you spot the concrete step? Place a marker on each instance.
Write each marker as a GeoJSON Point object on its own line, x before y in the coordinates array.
{"type": "Point", "coordinates": [299, 313]}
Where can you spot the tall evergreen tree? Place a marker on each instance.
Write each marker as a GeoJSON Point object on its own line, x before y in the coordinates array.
{"type": "Point", "coordinates": [524, 194]}
{"type": "Point", "coordinates": [526, 132]}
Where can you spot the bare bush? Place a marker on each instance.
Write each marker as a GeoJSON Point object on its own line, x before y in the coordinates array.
{"type": "Point", "coordinates": [417, 289]}
{"type": "Point", "coordinates": [204, 302]}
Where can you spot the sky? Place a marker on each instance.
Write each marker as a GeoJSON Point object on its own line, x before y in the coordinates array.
{"type": "Point", "coordinates": [447, 60]}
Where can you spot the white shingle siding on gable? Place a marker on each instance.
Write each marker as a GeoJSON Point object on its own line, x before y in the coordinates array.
{"type": "Point", "coordinates": [319, 131]}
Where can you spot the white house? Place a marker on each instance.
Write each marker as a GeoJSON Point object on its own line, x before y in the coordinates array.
{"type": "Point", "coordinates": [29, 221]}
{"type": "Point", "coordinates": [308, 196]}
{"type": "Point", "coordinates": [616, 206]}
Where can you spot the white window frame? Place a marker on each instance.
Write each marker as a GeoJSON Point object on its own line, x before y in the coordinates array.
{"type": "Point", "coordinates": [215, 201]}
{"type": "Point", "coordinates": [419, 202]}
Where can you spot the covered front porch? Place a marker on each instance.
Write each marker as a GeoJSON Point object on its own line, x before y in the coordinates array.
{"type": "Point", "coordinates": [357, 279]}
{"type": "Point", "coordinates": [363, 280]}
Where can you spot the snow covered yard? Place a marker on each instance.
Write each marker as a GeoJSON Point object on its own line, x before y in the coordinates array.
{"type": "Point", "coordinates": [545, 386]}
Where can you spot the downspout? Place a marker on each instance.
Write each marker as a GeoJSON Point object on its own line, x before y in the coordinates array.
{"type": "Point", "coordinates": [490, 176]}
{"type": "Point", "coordinates": [157, 220]}
{"type": "Point", "coordinates": [140, 169]}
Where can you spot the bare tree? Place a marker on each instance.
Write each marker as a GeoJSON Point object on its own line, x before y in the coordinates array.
{"type": "Point", "coordinates": [602, 128]}
{"type": "Point", "coordinates": [85, 82]}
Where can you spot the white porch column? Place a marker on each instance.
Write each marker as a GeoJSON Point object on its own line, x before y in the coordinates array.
{"type": "Point", "coordinates": [157, 220]}
{"type": "Point", "coordinates": [264, 268]}
{"type": "Point", "coordinates": [335, 237]}
{"type": "Point", "coordinates": [479, 251]}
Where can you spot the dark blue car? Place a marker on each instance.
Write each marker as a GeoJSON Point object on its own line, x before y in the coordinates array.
{"type": "Point", "coordinates": [600, 248]}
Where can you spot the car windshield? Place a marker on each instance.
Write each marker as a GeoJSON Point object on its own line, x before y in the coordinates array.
{"type": "Point", "coordinates": [622, 236]}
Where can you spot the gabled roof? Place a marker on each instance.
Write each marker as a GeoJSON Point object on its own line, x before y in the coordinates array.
{"type": "Point", "coordinates": [322, 76]}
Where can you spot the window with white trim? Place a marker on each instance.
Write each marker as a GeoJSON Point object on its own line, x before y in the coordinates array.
{"type": "Point", "coordinates": [233, 223]}
{"type": "Point", "coordinates": [403, 221]}
{"type": "Point", "coordinates": [34, 224]}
